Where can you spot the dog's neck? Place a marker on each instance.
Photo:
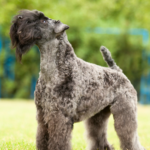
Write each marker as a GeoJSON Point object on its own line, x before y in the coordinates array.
{"type": "Point", "coordinates": [56, 56]}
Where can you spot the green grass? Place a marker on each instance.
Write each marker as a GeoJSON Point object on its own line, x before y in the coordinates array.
{"type": "Point", "coordinates": [18, 127]}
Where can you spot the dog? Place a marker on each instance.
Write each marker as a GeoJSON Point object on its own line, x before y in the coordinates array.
{"type": "Point", "coordinates": [70, 90]}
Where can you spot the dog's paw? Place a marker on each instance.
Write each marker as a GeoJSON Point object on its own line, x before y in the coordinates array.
{"type": "Point", "coordinates": [108, 147]}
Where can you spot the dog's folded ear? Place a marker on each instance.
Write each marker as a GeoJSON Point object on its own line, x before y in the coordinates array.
{"type": "Point", "coordinates": [13, 35]}
{"type": "Point", "coordinates": [21, 40]}
{"type": "Point", "coordinates": [15, 41]}
{"type": "Point", "coordinates": [23, 35]}
{"type": "Point", "coordinates": [60, 27]}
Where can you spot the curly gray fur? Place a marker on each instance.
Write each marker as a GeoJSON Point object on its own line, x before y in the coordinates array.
{"type": "Point", "coordinates": [107, 57]}
{"type": "Point", "coordinates": [70, 90]}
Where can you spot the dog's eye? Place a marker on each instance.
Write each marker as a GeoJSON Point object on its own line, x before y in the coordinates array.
{"type": "Point", "coordinates": [44, 21]}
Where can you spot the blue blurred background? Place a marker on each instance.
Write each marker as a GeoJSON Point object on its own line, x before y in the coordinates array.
{"type": "Point", "coordinates": [122, 26]}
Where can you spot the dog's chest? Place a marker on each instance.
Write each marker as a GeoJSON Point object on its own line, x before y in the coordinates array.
{"type": "Point", "coordinates": [47, 97]}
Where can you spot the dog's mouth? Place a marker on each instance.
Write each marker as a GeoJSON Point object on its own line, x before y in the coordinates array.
{"type": "Point", "coordinates": [67, 27]}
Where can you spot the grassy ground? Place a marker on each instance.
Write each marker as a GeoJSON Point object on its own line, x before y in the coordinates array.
{"type": "Point", "coordinates": [18, 127]}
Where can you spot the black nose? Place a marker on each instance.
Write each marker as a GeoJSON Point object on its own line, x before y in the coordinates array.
{"type": "Point", "coordinates": [57, 21]}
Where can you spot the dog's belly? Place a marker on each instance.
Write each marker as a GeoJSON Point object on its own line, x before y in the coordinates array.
{"type": "Point", "coordinates": [92, 103]}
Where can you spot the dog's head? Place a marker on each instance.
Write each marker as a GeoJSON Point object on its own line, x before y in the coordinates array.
{"type": "Point", "coordinates": [32, 27]}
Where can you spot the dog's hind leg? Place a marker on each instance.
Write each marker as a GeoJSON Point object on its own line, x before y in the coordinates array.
{"type": "Point", "coordinates": [59, 129]}
{"type": "Point", "coordinates": [96, 128]}
{"type": "Point", "coordinates": [124, 113]}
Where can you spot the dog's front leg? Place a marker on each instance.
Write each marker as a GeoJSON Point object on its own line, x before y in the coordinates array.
{"type": "Point", "coordinates": [42, 131]}
{"type": "Point", "coordinates": [59, 129]}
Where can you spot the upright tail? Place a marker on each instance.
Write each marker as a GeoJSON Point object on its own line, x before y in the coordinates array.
{"type": "Point", "coordinates": [108, 59]}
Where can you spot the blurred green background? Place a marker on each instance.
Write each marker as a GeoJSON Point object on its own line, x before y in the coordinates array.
{"type": "Point", "coordinates": [83, 16]}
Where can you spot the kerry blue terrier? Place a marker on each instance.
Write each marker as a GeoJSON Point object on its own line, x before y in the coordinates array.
{"type": "Point", "coordinates": [70, 90]}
